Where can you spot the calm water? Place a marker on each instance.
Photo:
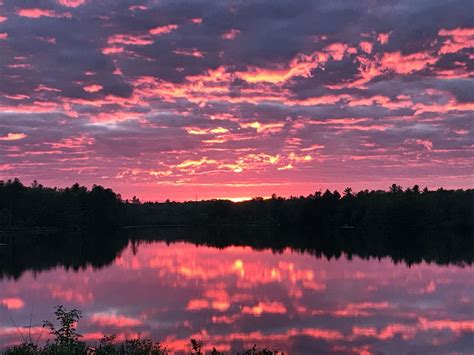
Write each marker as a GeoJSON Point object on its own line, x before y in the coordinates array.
{"type": "Point", "coordinates": [238, 297]}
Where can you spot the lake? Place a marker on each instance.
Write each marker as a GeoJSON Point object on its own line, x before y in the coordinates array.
{"type": "Point", "coordinates": [236, 296]}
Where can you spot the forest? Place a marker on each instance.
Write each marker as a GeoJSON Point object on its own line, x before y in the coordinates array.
{"type": "Point", "coordinates": [79, 250]}
{"type": "Point", "coordinates": [78, 208]}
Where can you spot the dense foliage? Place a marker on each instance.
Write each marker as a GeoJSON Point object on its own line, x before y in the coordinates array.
{"type": "Point", "coordinates": [77, 208]}
{"type": "Point", "coordinates": [67, 341]}
{"type": "Point", "coordinates": [412, 209]}
{"type": "Point", "coordinates": [71, 208]}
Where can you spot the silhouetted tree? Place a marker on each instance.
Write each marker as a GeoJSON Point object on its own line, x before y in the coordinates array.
{"type": "Point", "coordinates": [78, 208]}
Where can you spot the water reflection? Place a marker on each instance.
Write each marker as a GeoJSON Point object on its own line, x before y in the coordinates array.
{"type": "Point", "coordinates": [237, 296]}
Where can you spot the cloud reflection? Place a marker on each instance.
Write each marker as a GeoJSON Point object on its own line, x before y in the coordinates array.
{"type": "Point", "coordinates": [237, 297]}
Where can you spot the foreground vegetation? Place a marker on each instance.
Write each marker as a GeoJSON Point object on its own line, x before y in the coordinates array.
{"type": "Point", "coordinates": [67, 341]}
{"type": "Point", "coordinates": [77, 208]}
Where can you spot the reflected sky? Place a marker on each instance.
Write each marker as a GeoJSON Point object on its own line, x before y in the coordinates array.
{"type": "Point", "coordinates": [237, 297]}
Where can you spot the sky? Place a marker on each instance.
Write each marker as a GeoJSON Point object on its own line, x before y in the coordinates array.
{"type": "Point", "coordinates": [234, 99]}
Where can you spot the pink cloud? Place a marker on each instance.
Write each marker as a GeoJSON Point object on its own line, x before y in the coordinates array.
{"type": "Point", "coordinates": [13, 137]}
{"type": "Point", "coordinates": [13, 303]}
{"type": "Point", "coordinates": [112, 50]}
{"type": "Point", "coordinates": [37, 13]}
{"type": "Point", "coordinates": [458, 39]}
{"type": "Point", "coordinates": [301, 65]}
{"type": "Point", "coordinates": [337, 50]}
{"type": "Point", "coordinates": [197, 304]}
{"type": "Point", "coordinates": [73, 142]}
{"type": "Point", "coordinates": [71, 294]}
{"type": "Point", "coordinates": [265, 307]}
{"type": "Point", "coordinates": [163, 29]}
{"type": "Point", "coordinates": [366, 46]}
{"type": "Point", "coordinates": [456, 326]}
{"type": "Point", "coordinates": [92, 88]}
{"type": "Point", "coordinates": [138, 8]}
{"type": "Point", "coordinates": [406, 64]}
{"type": "Point", "coordinates": [71, 3]}
{"type": "Point", "coordinates": [113, 320]}
{"type": "Point", "coordinates": [3, 36]}
{"type": "Point", "coordinates": [17, 97]}
{"type": "Point", "coordinates": [189, 52]}
{"type": "Point", "coordinates": [231, 34]}
{"type": "Point", "coordinates": [382, 38]}
{"type": "Point", "coordinates": [42, 87]}
{"type": "Point", "coordinates": [130, 39]}
{"type": "Point", "coordinates": [326, 334]}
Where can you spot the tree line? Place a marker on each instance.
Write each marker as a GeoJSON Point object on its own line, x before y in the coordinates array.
{"type": "Point", "coordinates": [71, 208]}
{"type": "Point", "coordinates": [80, 208]}
{"type": "Point", "coordinates": [98, 249]}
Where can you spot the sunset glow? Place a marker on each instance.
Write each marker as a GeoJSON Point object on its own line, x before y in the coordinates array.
{"type": "Point", "coordinates": [200, 100]}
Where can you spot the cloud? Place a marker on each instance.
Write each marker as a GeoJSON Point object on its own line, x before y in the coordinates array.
{"type": "Point", "coordinates": [113, 320]}
{"type": "Point", "coordinates": [231, 34]}
{"type": "Point", "coordinates": [406, 64]}
{"type": "Point", "coordinates": [456, 40]}
{"type": "Point", "coordinates": [93, 88]}
{"type": "Point", "coordinates": [37, 13]}
{"type": "Point", "coordinates": [213, 94]}
{"type": "Point", "coordinates": [13, 303]}
{"type": "Point", "coordinates": [160, 30]}
{"type": "Point", "coordinates": [71, 3]}
{"type": "Point", "coordinates": [13, 137]}
{"type": "Point", "coordinates": [130, 39]}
